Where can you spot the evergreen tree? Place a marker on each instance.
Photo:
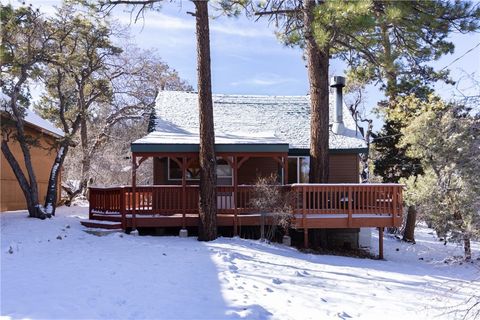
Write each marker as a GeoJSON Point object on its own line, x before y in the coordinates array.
{"type": "Point", "coordinates": [395, 50]}
{"type": "Point", "coordinates": [25, 47]}
{"type": "Point", "coordinates": [446, 139]}
{"type": "Point", "coordinates": [208, 197]}
{"type": "Point", "coordinates": [318, 28]}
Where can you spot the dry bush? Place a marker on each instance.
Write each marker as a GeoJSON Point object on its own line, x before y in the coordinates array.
{"type": "Point", "coordinates": [272, 201]}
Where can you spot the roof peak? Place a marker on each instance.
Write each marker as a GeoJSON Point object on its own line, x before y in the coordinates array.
{"type": "Point", "coordinates": [235, 94]}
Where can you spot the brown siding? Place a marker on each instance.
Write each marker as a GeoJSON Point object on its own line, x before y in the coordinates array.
{"type": "Point", "coordinates": [11, 195]}
{"type": "Point", "coordinates": [344, 168]}
{"type": "Point", "coordinates": [256, 167]}
{"type": "Point", "coordinates": [160, 171]}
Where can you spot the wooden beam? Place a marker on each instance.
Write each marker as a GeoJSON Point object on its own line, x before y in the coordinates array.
{"type": "Point", "coordinates": [380, 243]}
{"type": "Point", "coordinates": [190, 162]}
{"type": "Point", "coordinates": [279, 160]}
{"type": "Point", "coordinates": [184, 190]}
{"type": "Point", "coordinates": [134, 196]}
{"type": "Point", "coordinates": [142, 159]}
{"type": "Point", "coordinates": [241, 162]}
{"type": "Point", "coordinates": [305, 238]}
{"type": "Point", "coordinates": [235, 194]}
{"type": "Point", "coordinates": [180, 164]}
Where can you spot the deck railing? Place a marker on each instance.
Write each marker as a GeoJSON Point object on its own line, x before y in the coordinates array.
{"type": "Point", "coordinates": [352, 200]}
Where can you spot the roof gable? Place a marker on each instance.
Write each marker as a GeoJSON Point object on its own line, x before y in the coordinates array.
{"type": "Point", "coordinates": [286, 117]}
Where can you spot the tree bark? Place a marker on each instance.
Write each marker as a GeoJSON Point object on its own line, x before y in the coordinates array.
{"type": "Point", "coordinates": [51, 196]}
{"type": "Point", "coordinates": [317, 65]}
{"type": "Point", "coordinates": [31, 196]}
{"type": "Point", "coordinates": [86, 157]}
{"type": "Point", "coordinates": [409, 232]}
{"type": "Point", "coordinates": [467, 248]}
{"type": "Point", "coordinates": [207, 229]}
{"type": "Point", "coordinates": [29, 187]}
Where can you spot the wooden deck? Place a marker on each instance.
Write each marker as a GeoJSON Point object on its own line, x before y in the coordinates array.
{"type": "Point", "coordinates": [313, 206]}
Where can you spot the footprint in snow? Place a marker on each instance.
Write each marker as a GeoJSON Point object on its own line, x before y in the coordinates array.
{"type": "Point", "coordinates": [269, 290]}
{"type": "Point", "coordinates": [276, 281]}
{"type": "Point", "coordinates": [233, 268]}
{"type": "Point", "coordinates": [299, 274]}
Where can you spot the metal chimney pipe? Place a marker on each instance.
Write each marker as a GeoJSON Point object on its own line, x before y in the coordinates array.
{"type": "Point", "coordinates": [338, 82]}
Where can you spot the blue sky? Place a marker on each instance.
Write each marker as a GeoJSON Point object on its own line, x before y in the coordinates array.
{"type": "Point", "coordinates": [248, 59]}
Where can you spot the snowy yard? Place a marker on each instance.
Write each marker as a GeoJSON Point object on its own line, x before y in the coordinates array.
{"type": "Point", "coordinates": [55, 270]}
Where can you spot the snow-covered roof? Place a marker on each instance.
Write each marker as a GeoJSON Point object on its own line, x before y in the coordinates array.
{"type": "Point", "coordinates": [34, 119]}
{"type": "Point", "coordinates": [242, 118]}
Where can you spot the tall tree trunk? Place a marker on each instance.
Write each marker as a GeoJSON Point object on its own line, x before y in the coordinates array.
{"type": "Point", "coordinates": [86, 161]}
{"type": "Point", "coordinates": [30, 194]}
{"type": "Point", "coordinates": [458, 217]}
{"type": "Point", "coordinates": [390, 72]}
{"type": "Point", "coordinates": [409, 232]}
{"type": "Point", "coordinates": [52, 189]}
{"type": "Point", "coordinates": [207, 229]}
{"type": "Point", "coordinates": [317, 64]}
{"type": "Point", "coordinates": [30, 187]}
{"type": "Point", "coordinates": [467, 248]}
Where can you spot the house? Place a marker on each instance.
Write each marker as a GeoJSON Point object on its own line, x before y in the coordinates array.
{"type": "Point", "coordinates": [43, 155]}
{"type": "Point", "coordinates": [254, 136]}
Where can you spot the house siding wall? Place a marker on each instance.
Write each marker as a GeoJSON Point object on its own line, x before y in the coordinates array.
{"type": "Point", "coordinates": [257, 167]}
{"type": "Point", "coordinates": [344, 168]}
{"type": "Point", "coordinates": [11, 195]}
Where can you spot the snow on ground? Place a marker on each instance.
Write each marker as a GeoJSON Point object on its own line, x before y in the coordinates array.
{"type": "Point", "coordinates": [53, 269]}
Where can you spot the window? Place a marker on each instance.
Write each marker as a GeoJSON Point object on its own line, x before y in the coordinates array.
{"type": "Point", "coordinates": [298, 169]}
{"type": "Point", "coordinates": [175, 172]}
{"type": "Point", "coordinates": [224, 171]}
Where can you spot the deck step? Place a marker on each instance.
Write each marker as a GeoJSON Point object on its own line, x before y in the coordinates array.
{"type": "Point", "coordinates": [100, 224]}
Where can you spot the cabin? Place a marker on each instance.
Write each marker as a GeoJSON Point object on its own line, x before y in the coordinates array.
{"type": "Point", "coordinates": [43, 156]}
{"type": "Point", "coordinates": [254, 136]}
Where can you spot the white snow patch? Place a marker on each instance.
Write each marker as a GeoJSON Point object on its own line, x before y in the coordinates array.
{"type": "Point", "coordinates": [119, 276]}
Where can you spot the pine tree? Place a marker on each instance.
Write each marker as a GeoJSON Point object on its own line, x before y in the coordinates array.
{"type": "Point", "coordinates": [208, 198]}
{"type": "Point", "coordinates": [446, 139]}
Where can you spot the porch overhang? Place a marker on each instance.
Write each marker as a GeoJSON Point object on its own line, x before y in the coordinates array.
{"type": "Point", "coordinates": [227, 148]}
{"type": "Point", "coordinates": [188, 141]}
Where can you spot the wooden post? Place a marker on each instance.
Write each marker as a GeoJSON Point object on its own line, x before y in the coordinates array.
{"type": "Point", "coordinates": [350, 205]}
{"type": "Point", "coordinates": [122, 208]}
{"type": "Point", "coordinates": [134, 195]}
{"type": "Point", "coordinates": [380, 243]}
{"type": "Point", "coordinates": [394, 204]}
{"type": "Point", "coordinates": [304, 217]}
{"type": "Point", "coordinates": [184, 191]}
{"type": "Point", "coordinates": [305, 237]}
{"type": "Point", "coordinates": [91, 199]}
{"type": "Point", "coordinates": [235, 195]}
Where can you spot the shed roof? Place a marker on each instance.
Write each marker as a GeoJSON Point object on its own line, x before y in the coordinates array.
{"type": "Point", "coordinates": [34, 120]}
{"type": "Point", "coordinates": [245, 119]}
